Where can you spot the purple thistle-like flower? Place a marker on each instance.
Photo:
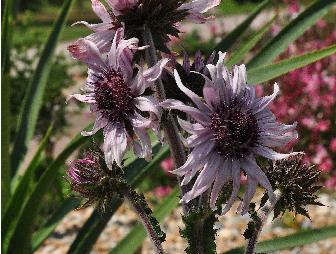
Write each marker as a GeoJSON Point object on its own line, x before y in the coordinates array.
{"type": "Point", "coordinates": [232, 126]}
{"type": "Point", "coordinates": [113, 91]}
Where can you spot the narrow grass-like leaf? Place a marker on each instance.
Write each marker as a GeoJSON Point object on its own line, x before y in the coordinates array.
{"type": "Point", "coordinates": [21, 240]}
{"type": "Point", "coordinates": [135, 172]}
{"type": "Point", "coordinates": [291, 241]}
{"type": "Point", "coordinates": [22, 191]}
{"type": "Point", "coordinates": [243, 49]}
{"type": "Point", "coordinates": [265, 73]}
{"type": "Point", "coordinates": [131, 243]}
{"type": "Point", "coordinates": [42, 234]}
{"type": "Point", "coordinates": [33, 98]}
{"type": "Point", "coordinates": [6, 34]}
{"type": "Point", "coordinates": [233, 36]}
{"type": "Point", "coordinates": [291, 32]}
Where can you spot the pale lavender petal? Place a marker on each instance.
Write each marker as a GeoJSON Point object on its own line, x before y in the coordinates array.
{"type": "Point", "coordinates": [275, 140]}
{"type": "Point", "coordinates": [193, 112]}
{"type": "Point", "coordinates": [100, 123]}
{"type": "Point", "coordinates": [153, 73]}
{"type": "Point", "coordinates": [137, 84]}
{"type": "Point", "coordinates": [194, 97]}
{"type": "Point", "coordinates": [87, 98]}
{"type": "Point", "coordinates": [186, 63]}
{"type": "Point", "coordinates": [200, 6]}
{"type": "Point", "coordinates": [107, 146]}
{"type": "Point", "coordinates": [272, 155]}
{"type": "Point", "coordinates": [263, 102]}
{"type": "Point", "coordinates": [101, 11]}
{"type": "Point", "coordinates": [198, 139]}
{"type": "Point", "coordinates": [249, 193]}
{"type": "Point", "coordinates": [138, 121]}
{"type": "Point", "coordinates": [235, 169]}
{"type": "Point", "coordinates": [147, 104]}
{"type": "Point", "coordinates": [189, 127]}
{"type": "Point", "coordinates": [252, 169]}
{"type": "Point", "coordinates": [211, 96]}
{"type": "Point", "coordinates": [145, 141]}
{"type": "Point", "coordinates": [222, 177]}
{"type": "Point", "coordinates": [87, 52]}
{"type": "Point", "coordinates": [119, 144]}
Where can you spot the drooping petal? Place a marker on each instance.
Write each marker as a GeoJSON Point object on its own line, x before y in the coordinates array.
{"type": "Point", "coordinates": [194, 97]}
{"type": "Point", "coordinates": [119, 144]}
{"type": "Point", "coordinates": [100, 123]}
{"type": "Point", "coordinates": [193, 112]}
{"type": "Point", "coordinates": [138, 121]}
{"type": "Point", "coordinates": [145, 142]}
{"type": "Point", "coordinates": [147, 104]}
{"type": "Point", "coordinates": [222, 178]}
{"type": "Point", "coordinates": [87, 52]}
{"type": "Point", "coordinates": [101, 11]}
{"type": "Point", "coordinates": [272, 155]}
{"type": "Point", "coordinates": [249, 193]}
{"type": "Point", "coordinates": [153, 73]}
{"type": "Point", "coordinates": [235, 172]}
{"type": "Point", "coordinates": [107, 146]}
{"type": "Point", "coordinates": [263, 102]}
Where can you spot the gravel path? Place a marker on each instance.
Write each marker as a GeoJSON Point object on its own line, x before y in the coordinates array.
{"type": "Point", "coordinates": [229, 234]}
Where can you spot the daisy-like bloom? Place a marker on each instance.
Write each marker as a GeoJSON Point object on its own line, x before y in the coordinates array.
{"type": "Point", "coordinates": [113, 91]}
{"type": "Point", "coordinates": [231, 127]}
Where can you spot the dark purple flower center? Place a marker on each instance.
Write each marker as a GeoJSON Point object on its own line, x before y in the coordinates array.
{"type": "Point", "coordinates": [114, 97]}
{"type": "Point", "coordinates": [235, 131]}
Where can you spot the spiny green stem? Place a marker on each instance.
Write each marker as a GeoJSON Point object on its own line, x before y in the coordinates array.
{"type": "Point", "coordinates": [144, 213]}
{"type": "Point", "coordinates": [260, 220]}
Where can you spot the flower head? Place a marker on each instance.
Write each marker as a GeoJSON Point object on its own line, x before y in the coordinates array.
{"type": "Point", "coordinates": [297, 184]}
{"type": "Point", "coordinates": [231, 127]}
{"type": "Point", "coordinates": [113, 91]}
{"type": "Point", "coordinates": [90, 180]}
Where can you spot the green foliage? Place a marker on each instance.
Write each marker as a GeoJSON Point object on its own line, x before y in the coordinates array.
{"type": "Point", "coordinates": [233, 36]}
{"type": "Point", "coordinates": [271, 71]}
{"type": "Point", "coordinates": [199, 228]}
{"type": "Point", "coordinates": [34, 96]}
{"type": "Point", "coordinates": [294, 240]}
{"type": "Point", "coordinates": [53, 104]}
{"type": "Point", "coordinates": [290, 33]}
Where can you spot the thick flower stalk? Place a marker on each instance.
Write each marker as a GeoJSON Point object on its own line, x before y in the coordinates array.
{"type": "Point", "coordinates": [231, 127]}
{"type": "Point", "coordinates": [113, 91]}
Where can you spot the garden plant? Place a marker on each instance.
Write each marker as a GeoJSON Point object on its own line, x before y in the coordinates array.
{"type": "Point", "coordinates": [227, 139]}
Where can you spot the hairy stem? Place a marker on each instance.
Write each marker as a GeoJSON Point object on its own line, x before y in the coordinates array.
{"type": "Point", "coordinates": [262, 216]}
{"type": "Point", "coordinates": [144, 217]}
{"type": "Point", "coordinates": [167, 121]}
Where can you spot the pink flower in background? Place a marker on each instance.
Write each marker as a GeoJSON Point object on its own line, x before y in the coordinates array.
{"type": "Point", "coordinates": [331, 183]}
{"type": "Point", "coordinates": [333, 145]}
{"type": "Point", "coordinates": [168, 164]}
{"type": "Point", "coordinates": [162, 191]}
{"type": "Point", "coordinates": [293, 7]}
{"type": "Point", "coordinates": [309, 97]}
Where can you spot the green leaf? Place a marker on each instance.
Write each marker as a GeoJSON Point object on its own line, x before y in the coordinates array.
{"type": "Point", "coordinates": [132, 242]}
{"type": "Point", "coordinates": [265, 73]}
{"type": "Point", "coordinates": [233, 36]}
{"type": "Point", "coordinates": [291, 241]}
{"type": "Point", "coordinates": [135, 172]}
{"type": "Point", "coordinates": [290, 33]}
{"type": "Point", "coordinates": [243, 49]}
{"type": "Point", "coordinates": [21, 192]}
{"type": "Point", "coordinates": [42, 234]}
{"type": "Point", "coordinates": [21, 240]}
{"type": "Point", "coordinates": [35, 92]}
{"type": "Point", "coordinates": [6, 35]}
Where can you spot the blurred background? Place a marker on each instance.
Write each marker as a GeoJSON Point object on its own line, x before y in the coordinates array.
{"type": "Point", "coordinates": [308, 96]}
